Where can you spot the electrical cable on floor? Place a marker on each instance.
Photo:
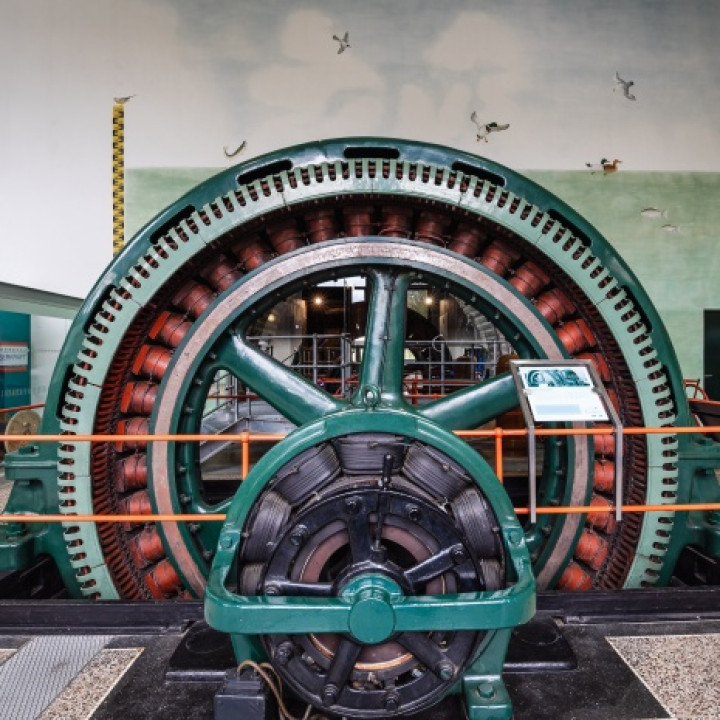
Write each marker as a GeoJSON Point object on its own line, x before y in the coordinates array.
{"type": "Point", "coordinates": [268, 673]}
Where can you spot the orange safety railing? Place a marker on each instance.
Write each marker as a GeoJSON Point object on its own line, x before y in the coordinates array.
{"type": "Point", "coordinates": [245, 438]}
{"type": "Point", "coordinates": [17, 408]}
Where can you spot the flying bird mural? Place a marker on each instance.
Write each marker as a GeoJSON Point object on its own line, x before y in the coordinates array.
{"type": "Point", "coordinates": [344, 42]}
{"type": "Point", "coordinates": [484, 129]}
{"type": "Point", "coordinates": [625, 85]}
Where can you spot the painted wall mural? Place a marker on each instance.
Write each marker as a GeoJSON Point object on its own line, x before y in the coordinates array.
{"type": "Point", "coordinates": [611, 105]}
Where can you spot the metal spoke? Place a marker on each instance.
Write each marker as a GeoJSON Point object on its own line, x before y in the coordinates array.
{"type": "Point", "coordinates": [468, 408]}
{"type": "Point", "coordinates": [290, 394]}
{"type": "Point", "coordinates": [358, 528]}
{"type": "Point", "coordinates": [422, 573]}
{"type": "Point", "coordinates": [382, 363]}
{"type": "Point", "coordinates": [427, 653]}
{"type": "Point", "coordinates": [220, 508]}
{"type": "Point", "coordinates": [342, 664]}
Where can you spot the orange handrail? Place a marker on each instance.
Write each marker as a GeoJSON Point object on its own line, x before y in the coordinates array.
{"type": "Point", "coordinates": [17, 408]}
{"type": "Point", "coordinates": [246, 437]}
{"type": "Point", "coordinates": [219, 517]}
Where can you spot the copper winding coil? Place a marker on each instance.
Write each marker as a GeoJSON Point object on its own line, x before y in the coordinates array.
{"type": "Point", "coordinates": [396, 221]}
{"type": "Point", "coordinates": [285, 236]}
{"type": "Point", "coordinates": [130, 427]}
{"type": "Point", "coordinates": [592, 549]}
{"type": "Point", "coordinates": [466, 240]}
{"type": "Point", "coordinates": [194, 299]}
{"type": "Point", "coordinates": [152, 361]}
{"type": "Point", "coordinates": [530, 279]}
{"type": "Point", "coordinates": [499, 258]}
{"type": "Point", "coordinates": [222, 274]}
{"type": "Point", "coordinates": [604, 476]}
{"type": "Point", "coordinates": [358, 221]}
{"type": "Point", "coordinates": [163, 580]}
{"type": "Point", "coordinates": [604, 520]}
{"type": "Point", "coordinates": [599, 363]}
{"type": "Point", "coordinates": [431, 228]}
{"type": "Point", "coordinates": [576, 335]}
{"type": "Point", "coordinates": [136, 504]}
{"type": "Point", "coordinates": [604, 445]}
{"type": "Point", "coordinates": [130, 473]}
{"type": "Point", "coordinates": [138, 398]}
{"type": "Point", "coordinates": [575, 579]}
{"type": "Point", "coordinates": [252, 252]}
{"type": "Point", "coordinates": [554, 305]}
{"type": "Point", "coordinates": [146, 547]}
{"type": "Point", "coordinates": [170, 328]}
{"type": "Point", "coordinates": [321, 225]}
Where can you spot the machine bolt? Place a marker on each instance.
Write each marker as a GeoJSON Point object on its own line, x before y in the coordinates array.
{"type": "Point", "coordinates": [445, 670]}
{"type": "Point", "coordinates": [391, 702]}
{"type": "Point", "coordinates": [298, 535]}
{"type": "Point", "coordinates": [485, 690]}
{"type": "Point", "coordinates": [194, 528]}
{"type": "Point", "coordinates": [458, 555]}
{"type": "Point", "coordinates": [207, 554]}
{"type": "Point", "coordinates": [330, 694]}
{"type": "Point", "coordinates": [185, 499]}
{"type": "Point", "coordinates": [413, 513]}
{"type": "Point", "coordinates": [283, 653]}
{"type": "Point", "coordinates": [353, 505]}
{"type": "Point", "coordinates": [271, 589]}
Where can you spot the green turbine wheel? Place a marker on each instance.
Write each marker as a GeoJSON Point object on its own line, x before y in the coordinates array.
{"type": "Point", "coordinates": [394, 213]}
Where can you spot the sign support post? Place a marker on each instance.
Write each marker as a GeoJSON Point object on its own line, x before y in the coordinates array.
{"type": "Point", "coordinates": [564, 391]}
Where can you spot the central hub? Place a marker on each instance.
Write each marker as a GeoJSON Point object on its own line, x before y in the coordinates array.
{"type": "Point", "coordinates": [372, 618]}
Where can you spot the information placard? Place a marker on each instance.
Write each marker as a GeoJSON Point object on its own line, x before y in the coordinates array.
{"type": "Point", "coordinates": [561, 392]}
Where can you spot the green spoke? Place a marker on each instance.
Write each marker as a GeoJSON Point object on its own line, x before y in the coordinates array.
{"type": "Point", "coordinates": [219, 508]}
{"type": "Point", "coordinates": [290, 394]}
{"type": "Point", "coordinates": [467, 409]}
{"type": "Point", "coordinates": [382, 363]}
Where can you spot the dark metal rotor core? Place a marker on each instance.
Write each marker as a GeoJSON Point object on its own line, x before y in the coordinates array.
{"type": "Point", "coordinates": [362, 532]}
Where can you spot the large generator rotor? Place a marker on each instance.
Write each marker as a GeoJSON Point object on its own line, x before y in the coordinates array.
{"type": "Point", "coordinates": [193, 281]}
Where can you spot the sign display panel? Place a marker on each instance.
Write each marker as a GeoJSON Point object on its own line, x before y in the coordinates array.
{"type": "Point", "coordinates": [561, 392]}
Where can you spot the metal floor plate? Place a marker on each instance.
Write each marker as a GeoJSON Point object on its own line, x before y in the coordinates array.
{"type": "Point", "coordinates": [32, 678]}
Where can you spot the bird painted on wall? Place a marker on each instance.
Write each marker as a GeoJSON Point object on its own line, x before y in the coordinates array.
{"type": "Point", "coordinates": [237, 151]}
{"type": "Point", "coordinates": [653, 213]}
{"type": "Point", "coordinates": [604, 166]}
{"type": "Point", "coordinates": [626, 85]}
{"type": "Point", "coordinates": [484, 129]}
{"type": "Point", "coordinates": [123, 100]}
{"type": "Point", "coordinates": [344, 42]}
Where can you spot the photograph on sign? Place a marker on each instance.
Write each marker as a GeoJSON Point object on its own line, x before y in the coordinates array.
{"type": "Point", "coordinates": [561, 393]}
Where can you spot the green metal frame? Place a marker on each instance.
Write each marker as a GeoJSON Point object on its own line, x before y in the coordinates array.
{"type": "Point", "coordinates": [373, 608]}
{"type": "Point", "coordinates": [681, 468]}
